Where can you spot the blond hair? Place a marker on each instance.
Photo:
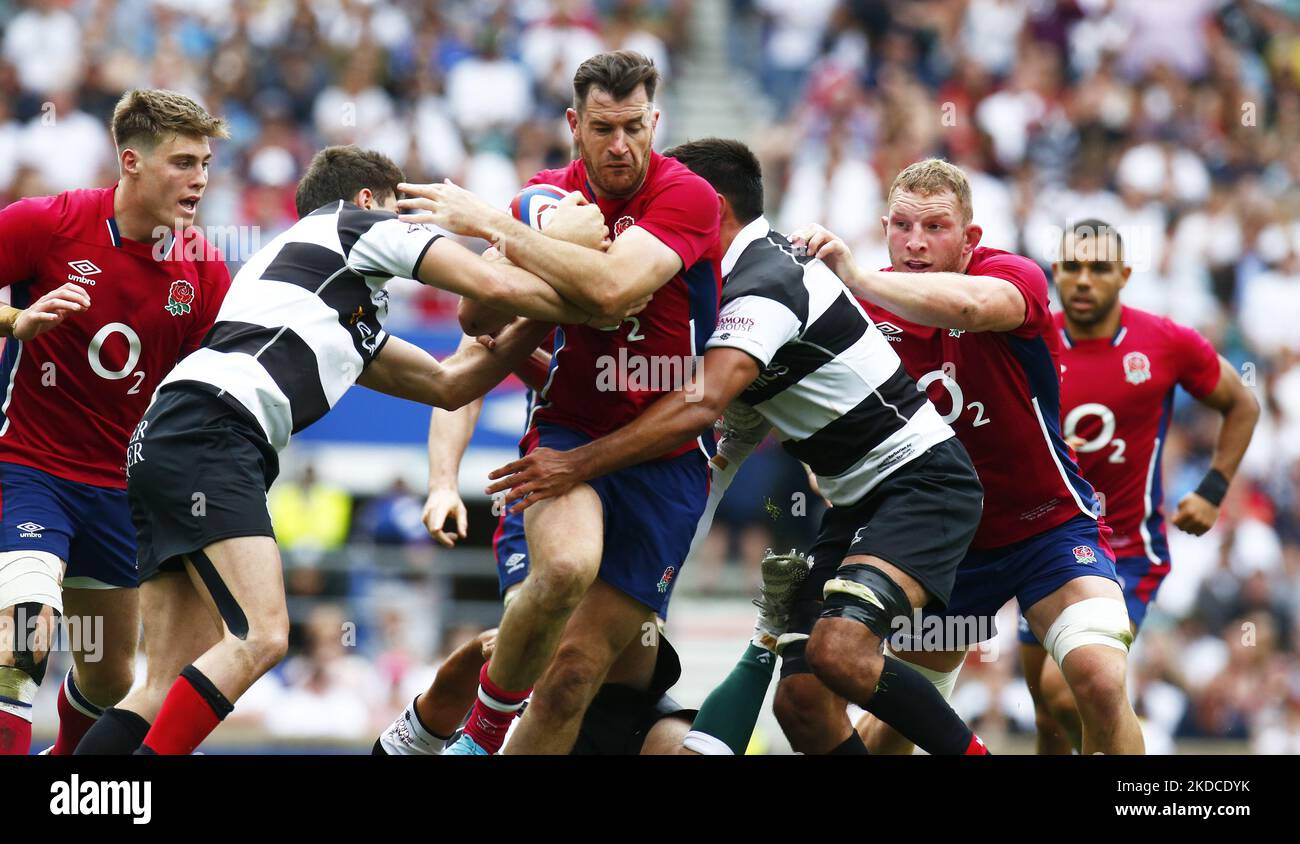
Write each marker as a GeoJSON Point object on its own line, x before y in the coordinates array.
{"type": "Point", "coordinates": [145, 117]}
{"type": "Point", "coordinates": [933, 176]}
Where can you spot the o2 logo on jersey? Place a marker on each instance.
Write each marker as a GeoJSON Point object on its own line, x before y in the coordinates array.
{"type": "Point", "coordinates": [1137, 368]}
{"type": "Point", "coordinates": [946, 377]}
{"type": "Point", "coordinates": [1105, 437]}
{"type": "Point", "coordinates": [132, 355]}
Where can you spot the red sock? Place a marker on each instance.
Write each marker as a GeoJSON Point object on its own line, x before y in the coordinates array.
{"type": "Point", "coordinates": [15, 735]}
{"type": "Point", "coordinates": [977, 747]}
{"type": "Point", "coordinates": [492, 713]}
{"type": "Point", "coordinates": [76, 716]}
{"type": "Point", "coordinates": [191, 711]}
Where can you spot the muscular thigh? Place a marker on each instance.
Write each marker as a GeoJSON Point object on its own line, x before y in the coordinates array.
{"type": "Point", "coordinates": [566, 532]}
{"type": "Point", "coordinates": [179, 624]}
{"type": "Point", "coordinates": [103, 624]}
{"type": "Point", "coordinates": [243, 577]}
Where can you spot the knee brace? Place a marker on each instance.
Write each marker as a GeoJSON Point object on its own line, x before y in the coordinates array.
{"type": "Point", "coordinates": [865, 593]}
{"type": "Point", "coordinates": [1093, 621]}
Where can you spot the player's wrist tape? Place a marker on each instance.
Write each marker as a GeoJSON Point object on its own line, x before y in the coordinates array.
{"type": "Point", "coordinates": [8, 320]}
{"type": "Point", "coordinates": [1213, 487]}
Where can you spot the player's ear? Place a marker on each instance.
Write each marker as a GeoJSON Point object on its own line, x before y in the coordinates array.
{"type": "Point", "coordinates": [973, 234]}
{"type": "Point", "coordinates": [654, 119]}
{"type": "Point", "coordinates": [571, 115]}
{"type": "Point", "coordinates": [129, 161]}
{"type": "Point", "coordinates": [365, 198]}
{"type": "Point", "coordinates": [1123, 276]}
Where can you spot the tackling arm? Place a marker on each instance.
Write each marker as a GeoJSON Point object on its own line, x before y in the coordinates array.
{"type": "Point", "coordinates": [409, 372]}
{"type": "Point", "coordinates": [666, 424]}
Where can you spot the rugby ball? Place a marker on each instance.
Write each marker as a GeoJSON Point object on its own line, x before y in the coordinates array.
{"type": "Point", "coordinates": [536, 204]}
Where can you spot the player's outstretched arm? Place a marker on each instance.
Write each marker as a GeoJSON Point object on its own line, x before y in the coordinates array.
{"type": "Point", "coordinates": [45, 313]}
{"type": "Point", "coordinates": [943, 300]}
{"type": "Point", "coordinates": [449, 436]}
{"type": "Point", "coordinates": [499, 286]}
{"type": "Point", "coordinates": [603, 283]}
{"type": "Point", "coordinates": [1198, 510]}
{"type": "Point", "coordinates": [408, 372]}
{"type": "Point", "coordinates": [672, 420]}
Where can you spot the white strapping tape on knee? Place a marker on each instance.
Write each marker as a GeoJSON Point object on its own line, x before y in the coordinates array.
{"type": "Point", "coordinates": [1093, 621]}
{"type": "Point", "coordinates": [705, 744]}
{"type": "Point", "coordinates": [31, 577]}
{"type": "Point", "coordinates": [944, 681]}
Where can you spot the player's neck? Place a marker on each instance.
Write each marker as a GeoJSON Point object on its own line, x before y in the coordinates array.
{"type": "Point", "coordinates": [132, 222]}
{"type": "Point", "coordinates": [1103, 328]}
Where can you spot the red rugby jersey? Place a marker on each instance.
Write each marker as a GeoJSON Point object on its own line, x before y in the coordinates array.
{"type": "Point", "coordinates": [593, 385]}
{"type": "Point", "coordinates": [1116, 395]}
{"type": "Point", "coordinates": [74, 394]}
{"type": "Point", "coordinates": [1000, 391]}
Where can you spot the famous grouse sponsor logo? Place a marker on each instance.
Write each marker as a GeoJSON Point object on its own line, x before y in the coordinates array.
{"type": "Point", "coordinates": [727, 324]}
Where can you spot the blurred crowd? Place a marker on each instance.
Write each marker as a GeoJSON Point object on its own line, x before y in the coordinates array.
{"type": "Point", "coordinates": [1177, 120]}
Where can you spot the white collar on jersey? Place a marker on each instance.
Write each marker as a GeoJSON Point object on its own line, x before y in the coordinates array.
{"type": "Point", "coordinates": [756, 230]}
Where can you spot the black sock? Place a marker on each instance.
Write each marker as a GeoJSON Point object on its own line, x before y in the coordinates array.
{"type": "Point", "coordinates": [909, 703]}
{"type": "Point", "coordinates": [118, 732]}
{"type": "Point", "coordinates": [851, 746]}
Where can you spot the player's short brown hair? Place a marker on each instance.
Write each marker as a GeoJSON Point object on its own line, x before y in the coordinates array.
{"type": "Point", "coordinates": [617, 73]}
{"type": "Point", "coordinates": [932, 176]}
{"type": "Point", "coordinates": [340, 172]}
{"type": "Point", "coordinates": [145, 117]}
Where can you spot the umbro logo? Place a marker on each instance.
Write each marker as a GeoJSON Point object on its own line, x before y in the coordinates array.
{"type": "Point", "coordinates": [515, 562]}
{"type": "Point", "coordinates": [30, 530]}
{"type": "Point", "coordinates": [890, 331]}
{"type": "Point", "coordinates": [82, 269]}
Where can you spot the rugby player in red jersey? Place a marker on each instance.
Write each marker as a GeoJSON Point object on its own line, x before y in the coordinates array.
{"type": "Point", "coordinates": [109, 288]}
{"type": "Point", "coordinates": [973, 328]}
{"type": "Point", "coordinates": [604, 557]}
{"type": "Point", "coordinates": [1120, 367]}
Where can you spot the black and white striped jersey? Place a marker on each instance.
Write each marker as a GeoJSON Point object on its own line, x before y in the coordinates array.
{"type": "Point", "coordinates": [830, 384]}
{"type": "Point", "coordinates": [305, 316]}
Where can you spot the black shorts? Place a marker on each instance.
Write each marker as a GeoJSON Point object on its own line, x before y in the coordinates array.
{"type": "Point", "coordinates": [198, 469]}
{"type": "Point", "coordinates": [920, 519]}
{"type": "Point", "coordinates": [619, 717]}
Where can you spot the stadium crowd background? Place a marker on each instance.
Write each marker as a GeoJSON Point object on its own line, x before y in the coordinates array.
{"type": "Point", "coordinates": [1177, 120]}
